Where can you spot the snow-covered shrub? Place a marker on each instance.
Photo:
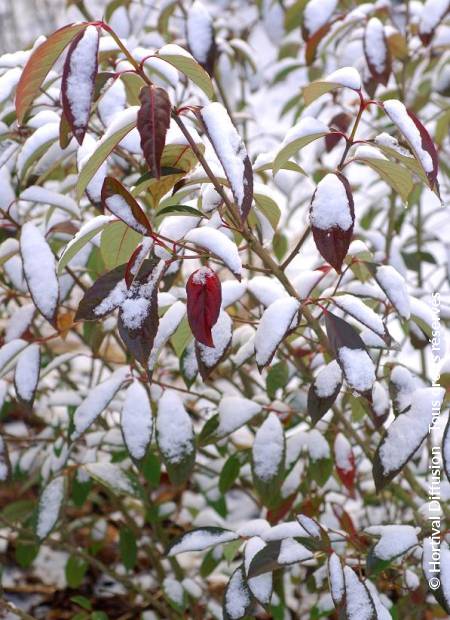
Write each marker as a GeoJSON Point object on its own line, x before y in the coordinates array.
{"type": "Point", "coordinates": [224, 310]}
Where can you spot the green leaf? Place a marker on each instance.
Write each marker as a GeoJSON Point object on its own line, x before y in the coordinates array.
{"type": "Point", "coordinates": [80, 491]}
{"type": "Point", "coordinates": [76, 569]}
{"type": "Point", "coordinates": [113, 135]}
{"type": "Point", "coordinates": [229, 473]}
{"type": "Point", "coordinates": [277, 378]}
{"type": "Point", "coordinates": [151, 468]}
{"type": "Point", "coordinates": [82, 601]}
{"type": "Point", "coordinates": [25, 553]}
{"type": "Point", "coordinates": [127, 547]}
{"type": "Point", "coordinates": [184, 62]}
{"type": "Point", "coordinates": [181, 337]}
{"type": "Point", "coordinates": [18, 511]}
{"type": "Point", "coordinates": [291, 148]}
{"type": "Point", "coordinates": [394, 174]}
{"type": "Point", "coordinates": [39, 65]}
{"type": "Point", "coordinates": [82, 238]}
{"type": "Point", "coordinates": [230, 550]}
{"type": "Point", "coordinates": [320, 470]}
{"type": "Point", "coordinates": [179, 210]}
{"type": "Point", "coordinates": [280, 245]}
{"type": "Point", "coordinates": [117, 243]}
{"type": "Point", "coordinates": [99, 615]}
{"type": "Point", "coordinates": [313, 91]}
{"type": "Point", "coordinates": [268, 206]}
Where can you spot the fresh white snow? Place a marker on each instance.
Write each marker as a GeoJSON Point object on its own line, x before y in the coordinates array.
{"type": "Point", "coordinates": [39, 266]}
{"type": "Point", "coordinates": [268, 449]}
{"type": "Point", "coordinates": [260, 586]}
{"type": "Point", "coordinates": [26, 375]}
{"type": "Point", "coordinates": [394, 286]}
{"type": "Point", "coordinates": [395, 540]}
{"type": "Point", "coordinates": [399, 116]}
{"type": "Point", "coordinates": [237, 596]}
{"type": "Point", "coordinates": [432, 13]}
{"type": "Point", "coordinates": [343, 453]}
{"type": "Point", "coordinates": [121, 209]}
{"type": "Point", "coordinates": [317, 13]}
{"type": "Point", "coordinates": [49, 506]}
{"type": "Point", "coordinates": [136, 420]}
{"type": "Point", "coordinates": [219, 244]}
{"type": "Point", "coordinates": [234, 412]}
{"type": "Point", "coordinates": [199, 31]}
{"type": "Point", "coordinates": [358, 368]}
{"type": "Point", "coordinates": [375, 44]}
{"type": "Point", "coordinates": [273, 326]}
{"type": "Point", "coordinates": [221, 335]}
{"type": "Point", "coordinates": [330, 207]}
{"type": "Point", "coordinates": [359, 605]}
{"type": "Point", "coordinates": [97, 400]}
{"type": "Point", "coordinates": [336, 577]}
{"type": "Point", "coordinates": [347, 76]}
{"type": "Point", "coordinates": [228, 145]}
{"type": "Point", "coordinates": [409, 429]}
{"type": "Point", "coordinates": [175, 434]}
{"type": "Point", "coordinates": [199, 540]}
{"type": "Point", "coordinates": [80, 78]}
{"type": "Point", "coordinates": [328, 379]}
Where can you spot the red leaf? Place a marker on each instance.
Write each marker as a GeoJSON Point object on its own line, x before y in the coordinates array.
{"type": "Point", "coordinates": [373, 33]}
{"type": "Point", "coordinates": [117, 199]}
{"type": "Point", "coordinates": [153, 122]}
{"type": "Point", "coordinates": [345, 462]}
{"type": "Point", "coordinates": [78, 80]}
{"type": "Point", "coordinates": [427, 145]}
{"type": "Point", "coordinates": [332, 241]}
{"type": "Point", "coordinates": [135, 263]}
{"type": "Point", "coordinates": [342, 122]}
{"type": "Point", "coordinates": [39, 64]}
{"type": "Point", "coordinates": [204, 297]}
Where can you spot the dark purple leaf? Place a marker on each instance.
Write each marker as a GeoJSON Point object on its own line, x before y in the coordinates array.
{"type": "Point", "coordinates": [333, 242]}
{"type": "Point", "coordinates": [88, 308]}
{"type": "Point", "coordinates": [78, 80]}
{"type": "Point", "coordinates": [341, 122]}
{"type": "Point", "coordinates": [153, 122]}
{"type": "Point", "coordinates": [117, 199]}
{"type": "Point", "coordinates": [204, 298]}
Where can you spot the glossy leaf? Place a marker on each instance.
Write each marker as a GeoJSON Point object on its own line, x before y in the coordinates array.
{"type": "Point", "coordinates": [78, 80]}
{"type": "Point", "coordinates": [204, 298]}
{"type": "Point", "coordinates": [153, 121]}
{"type": "Point", "coordinates": [117, 199]}
{"type": "Point", "coordinates": [39, 64]}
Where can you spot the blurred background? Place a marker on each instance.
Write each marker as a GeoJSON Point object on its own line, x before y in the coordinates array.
{"type": "Point", "coordinates": [21, 21]}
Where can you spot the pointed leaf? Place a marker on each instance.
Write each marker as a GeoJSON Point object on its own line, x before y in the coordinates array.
{"type": "Point", "coordinates": [136, 420]}
{"type": "Point", "coordinates": [376, 51]}
{"type": "Point", "coordinates": [204, 299]}
{"type": "Point", "coordinates": [26, 375]}
{"type": "Point", "coordinates": [39, 64]}
{"type": "Point", "coordinates": [117, 199]}
{"type": "Point", "coordinates": [86, 233]}
{"type": "Point", "coordinates": [175, 437]}
{"type": "Point", "coordinates": [307, 130]}
{"type": "Point", "coordinates": [50, 503]}
{"type": "Point", "coordinates": [78, 80]}
{"type": "Point", "coordinates": [237, 600]}
{"type": "Point", "coordinates": [209, 357]}
{"type": "Point", "coordinates": [268, 456]}
{"type": "Point", "coordinates": [332, 216]}
{"type": "Point", "coordinates": [184, 62]}
{"type": "Point", "coordinates": [405, 435]}
{"type": "Point", "coordinates": [200, 539]}
{"type": "Point", "coordinates": [121, 125]}
{"type": "Point", "coordinates": [275, 323]}
{"type": "Point", "coordinates": [324, 390]}
{"type": "Point", "coordinates": [232, 154]}
{"type": "Point", "coordinates": [39, 266]}
{"type": "Point", "coordinates": [153, 121]}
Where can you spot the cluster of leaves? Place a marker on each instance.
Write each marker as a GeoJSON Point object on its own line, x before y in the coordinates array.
{"type": "Point", "coordinates": [222, 337]}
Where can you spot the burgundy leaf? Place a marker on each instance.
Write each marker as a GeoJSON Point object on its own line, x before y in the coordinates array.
{"type": "Point", "coordinates": [231, 152]}
{"type": "Point", "coordinates": [342, 122]}
{"type": "Point", "coordinates": [135, 262]}
{"type": "Point", "coordinates": [332, 216]}
{"type": "Point", "coordinates": [117, 199]}
{"type": "Point", "coordinates": [345, 462]}
{"type": "Point", "coordinates": [200, 36]}
{"type": "Point", "coordinates": [341, 334]}
{"type": "Point", "coordinates": [138, 314]}
{"type": "Point", "coordinates": [424, 152]}
{"type": "Point", "coordinates": [204, 298]}
{"type": "Point", "coordinates": [376, 51]}
{"type": "Point", "coordinates": [427, 145]}
{"type": "Point", "coordinates": [153, 122]}
{"type": "Point", "coordinates": [91, 307]}
{"type": "Point", "coordinates": [78, 80]}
